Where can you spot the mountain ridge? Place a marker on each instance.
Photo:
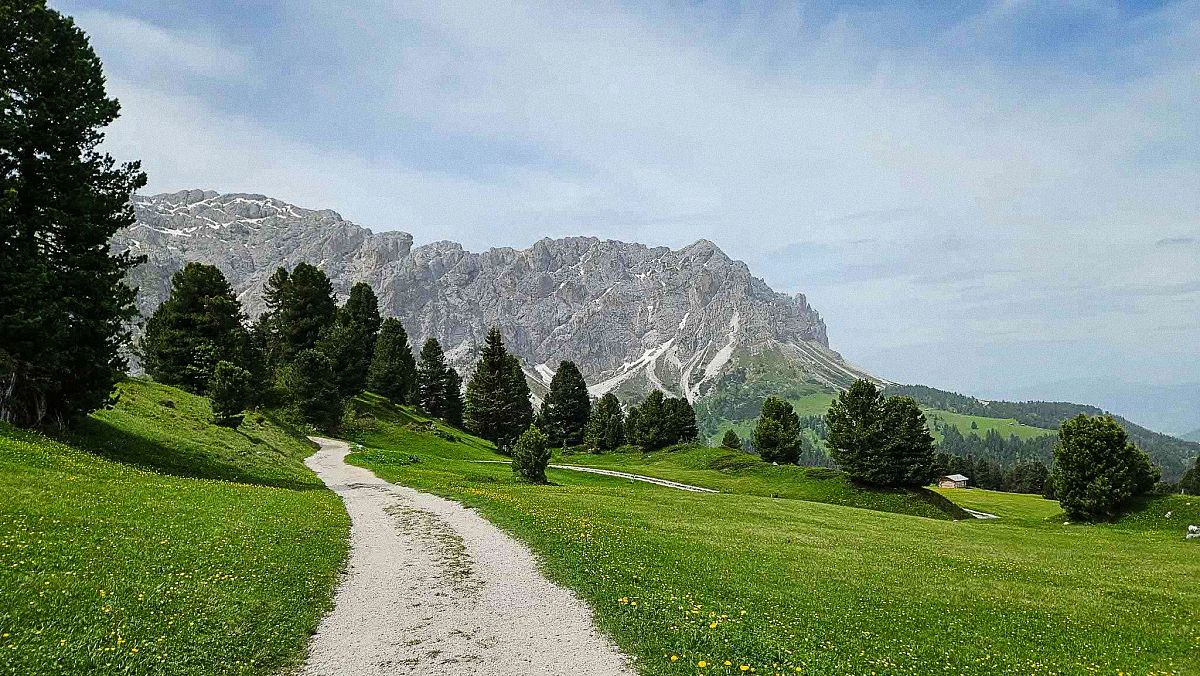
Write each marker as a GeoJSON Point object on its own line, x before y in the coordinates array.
{"type": "Point", "coordinates": [632, 316]}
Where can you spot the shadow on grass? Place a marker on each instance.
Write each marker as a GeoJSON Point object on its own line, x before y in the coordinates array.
{"type": "Point", "coordinates": [103, 439]}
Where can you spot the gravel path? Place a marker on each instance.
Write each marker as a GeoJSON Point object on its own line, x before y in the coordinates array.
{"type": "Point", "coordinates": [433, 588]}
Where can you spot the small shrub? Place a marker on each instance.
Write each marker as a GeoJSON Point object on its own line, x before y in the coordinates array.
{"type": "Point", "coordinates": [231, 391]}
{"type": "Point", "coordinates": [531, 455]}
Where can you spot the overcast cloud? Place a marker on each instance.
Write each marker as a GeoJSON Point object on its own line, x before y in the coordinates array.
{"type": "Point", "coordinates": [984, 198]}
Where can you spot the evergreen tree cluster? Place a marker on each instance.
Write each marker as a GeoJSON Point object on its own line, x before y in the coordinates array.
{"type": "Point", "coordinates": [661, 421]}
{"type": "Point", "coordinates": [1097, 470]}
{"type": "Point", "coordinates": [439, 387]}
{"type": "Point", "coordinates": [567, 407]}
{"type": "Point", "coordinates": [776, 437]}
{"type": "Point", "coordinates": [1030, 476]}
{"type": "Point", "coordinates": [64, 307]}
{"type": "Point", "coordinates": [880, 441]}
{"type": "Point", "coordinates": [605, 429]}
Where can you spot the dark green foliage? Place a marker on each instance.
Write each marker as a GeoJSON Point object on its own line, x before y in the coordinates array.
{"type": "Point", "coordinates": [1029, 476]}
{"type": "Point", "coordinates": [454, 398]}
{"type": "Point", "coordinates": [497, 403]}
{"type": "Point", "coordinates": [567, 406]}
{"type": "Point", "coordinates": [877, 441]}
{"type": "Point", "coordinates": [231, 391]}
{"type": "Point", "coordinates": [393, 372]}
{"type": "Point", "coordinates": [1190, 484]}
{"type": "Point", "coordinates": [681, 419]}
{"type": "Point", "coordinates": [731, 441]}
{"type": "Point", "coordinates": [307, 385]}
{"type": "Point", "coordinates": [200, 324]}
{"type": "Point", "coordinates": [776, 437]}
{"type": "Point", "coordinates": [1097, 470]}
{"type": "Point", "coordinates": [1171, 454]}
{"type": "Point", "coordinates": [531, 455]}
{"type": "Point", "coordinates": [350, 341]}
{"type": "Point", "coordinates": [660, 422]}
{"type": "Point", "coordinates": [606, 425]}
{"type": "Point", "coordinates": [300, 307]}
{"type": "Point", "coordinates": [431, 379]}
{"type": "Point", "coordinates": [63, 305]}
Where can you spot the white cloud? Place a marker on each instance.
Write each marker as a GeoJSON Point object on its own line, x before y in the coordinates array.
{"type": "Point", "coordinates": [135, 47]}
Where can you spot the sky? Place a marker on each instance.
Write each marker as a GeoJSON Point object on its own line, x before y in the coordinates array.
{"type": "Point", "coordinates": [1000, 198]}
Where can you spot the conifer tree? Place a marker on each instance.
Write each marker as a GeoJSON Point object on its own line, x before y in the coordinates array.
{"type": "Point", "coordinates": [567, 406]}
{"type": "Point", "coordinates": [431, 379]}
{"type": "Point", "coordinates": [878, 441]}
{"type": "Point", "coordinates": [200, 324]}
{"type": "Point", "coordinates": [776, 436]}
{"type": "Point", "coordinates": [393, 372]}
{"type": "Point", "coordinates": [731, 441]}
{"type": "Point", "coordinates": [908, 453]}
{"type": "Point", "coordinates": [654, 428]}
{"type": "Point", "coordinates": [497, 402]}
{"type": "Point", "coordinates": [300, 307]}
{"type": "Point", "coordinates": [350, 341]}
{"type": "Point", "coordinates": [531, 456]}
{"type": "Point", "coordinates": [1098, 471]}
{"type": "Point", "coordinates": [681, 420]}
{"type": "Point", "coordinates": [64, 306]}
{"type": "Point", "coordinates": [308, 385]}
{"type": "Point", "coordinates": [606, 426]}
{"type": "Point", "coordinates": [856, 435]}
{"type": "Point", "coordinates": [454, 398]}
{"type": "Point", "coordinates": [231, 391]}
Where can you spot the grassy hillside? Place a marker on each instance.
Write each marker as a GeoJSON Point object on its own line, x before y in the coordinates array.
{"type": "Point", "coordinates": [746, 474]}
{"type": "Point", "coordinates": [155, 543]}
{"type": "Point", "coordinates": [787, 585]}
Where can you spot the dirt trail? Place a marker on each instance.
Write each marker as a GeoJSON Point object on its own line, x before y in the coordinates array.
{"type": "Point", "coordinates": [432, 587]}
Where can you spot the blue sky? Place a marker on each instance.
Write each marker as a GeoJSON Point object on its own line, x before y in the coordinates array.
{"type": "Point", "coordinates": [994, 197]}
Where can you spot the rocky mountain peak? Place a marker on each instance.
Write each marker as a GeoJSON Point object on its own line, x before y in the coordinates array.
{"type": "Point", "coordinates": [633, 317]}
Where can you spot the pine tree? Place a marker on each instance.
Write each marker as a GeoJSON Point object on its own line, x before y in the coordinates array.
{"type": "Point", "coordinates": [731, 441]}
{"type": "Point", "coordinates": [201, 323]}
{"type": "Point", "coordinates": [776, 436]}
{"type": "Point", "coordinates": [454, 398]}
{"type": "Point", "coordinates": [308, 385]}
{"type": "Point", "coordinates": [497, 403]}
{"type": "Point", "coordinates": [300, 306]}
{"type": "Point", "coordinates": [1190, 484]}
{"type": "Point", "coordinates": [907, 459]}
{"type": "Point", "coordinates": [1097, 470]}
{"type": "Point", "coordinates": [567, 406]}
{"type": "Point", "coordinates": [531, 456]}
{"type": "Point", "coordinates": [680, 420]}
{"type": "Point", "coordinates": [64, 307]}
{"type": "Point", "coordinates": [231, 391]}
{"type": "Point", "coordinates": [350, 341]}
{"type": "Point", "coordinates": [393, 372]}
{"type": "Point", "coordinates": [654, 429]}
{"type": "Point", "coordinates": [856, 435]}
{"type": "Point", "coordinates": [606, 426]}
{"type": "Point", "coordinates": [431, 379]}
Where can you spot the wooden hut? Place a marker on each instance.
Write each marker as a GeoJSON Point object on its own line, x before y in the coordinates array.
{"type": "Point", "coordinates": [953, 481]}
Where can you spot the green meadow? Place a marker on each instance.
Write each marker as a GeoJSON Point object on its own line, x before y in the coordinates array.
{"type": "Point", "coordinates": [746, 582]}
{"type": "Point", "coordinates": [152, 542]}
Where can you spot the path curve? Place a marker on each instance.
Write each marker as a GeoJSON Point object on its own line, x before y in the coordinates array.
{"type": "Point", "coordinates": [432, 587]}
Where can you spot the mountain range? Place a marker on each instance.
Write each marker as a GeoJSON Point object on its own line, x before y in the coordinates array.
{"type": "Point", "coordinates": [632, 317]}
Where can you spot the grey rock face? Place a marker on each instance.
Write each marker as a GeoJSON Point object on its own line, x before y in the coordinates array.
{"type": "Point", "coordinates": [631, 316]}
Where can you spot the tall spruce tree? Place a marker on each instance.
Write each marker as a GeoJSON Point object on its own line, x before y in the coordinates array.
{"type": "Point", "coordinates": [200, 324]}
{"type": "Point", "coordinates": [567, 405]}
{"type": "Point", "coordinates": [300, 307]}
{"type": "Point", "coordinates": [907, 459]}
{"type": "Point", "coordinates": [393, 372]}
{"type": "Point", "coordinates": [856, 434]}
{"type": "Point", "coordinates": [64, 306]}
{"type": "Point", "coordinates": [776, 436]}
{"type": "Point", "coordinates": [681, 420]}
{"type": "Point", "coordinates": [731, 441]}
{"type": "Point", "coordinates": [606, 426]}
{"type": "Point", "coordinates": [497, 402]}
{"type": "Point", "coordinates": [431, 379]}
{"type": "Point", "coordinates": [654, 427]}
{"type": "Point", "coordinates": [350, 341]}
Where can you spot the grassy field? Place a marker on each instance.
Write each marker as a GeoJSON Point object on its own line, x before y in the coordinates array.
{"type": "Point", "coordinates": [1006, 427]}
{"type": "Point", "coordinates": [746, 474]}
{"type": "Point", "coordinates": [743, 582]}
{"type": "Point", "coordinates": [155, 543]}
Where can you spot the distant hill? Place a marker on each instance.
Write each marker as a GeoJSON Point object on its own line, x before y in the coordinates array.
{"type": "Point", "coordinates": [1194, 435]}
{"type": "Point", "coordinates": [1172, 454]}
